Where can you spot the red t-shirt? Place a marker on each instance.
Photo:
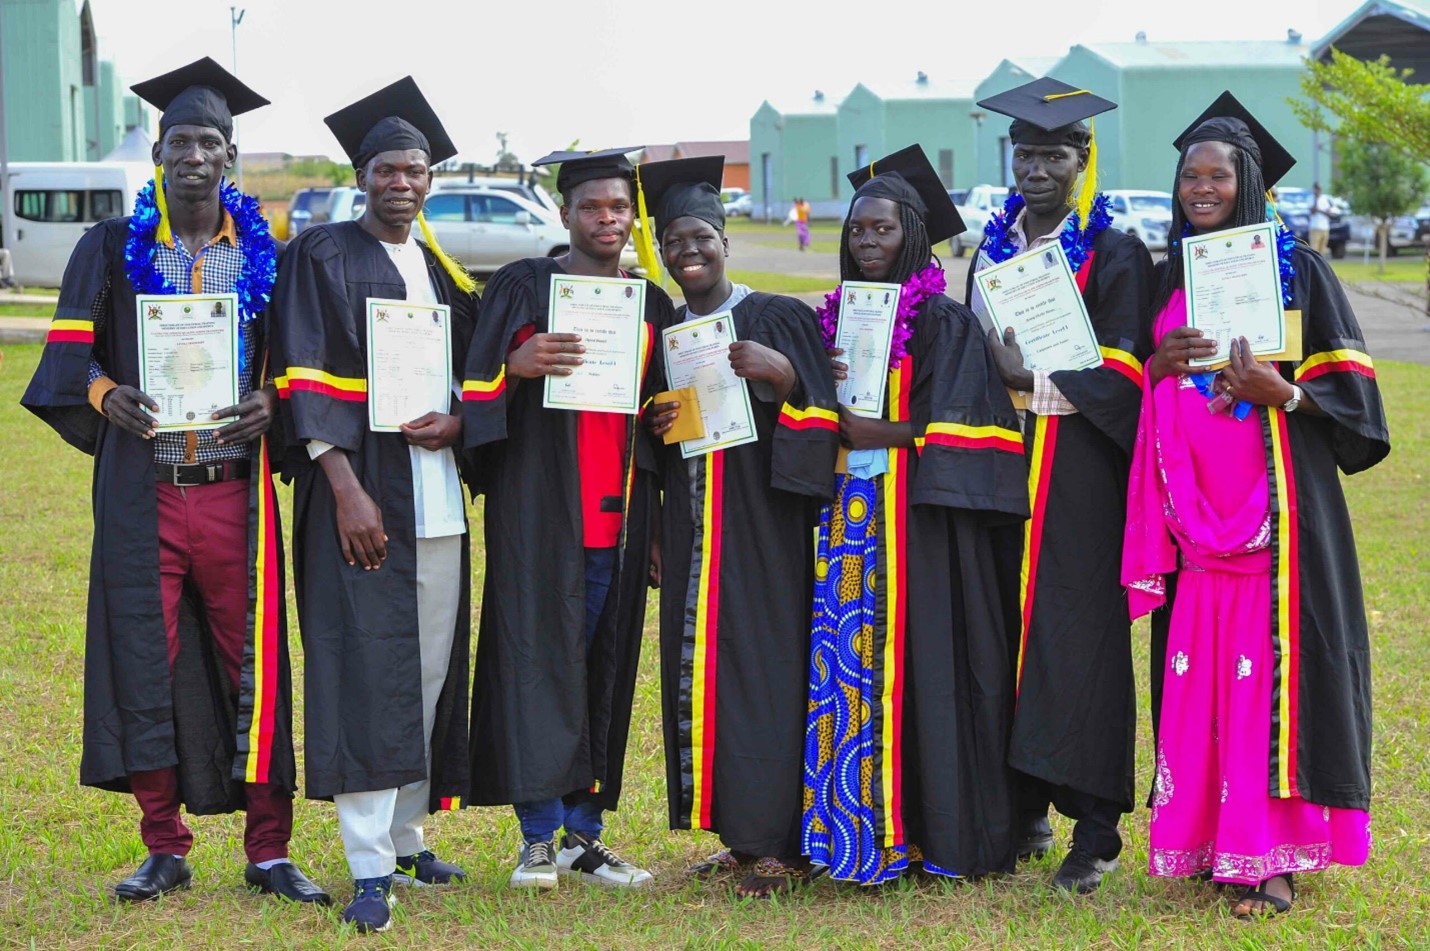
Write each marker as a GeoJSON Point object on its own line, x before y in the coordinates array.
{"type": "Point", "coordinates": [601, 457]}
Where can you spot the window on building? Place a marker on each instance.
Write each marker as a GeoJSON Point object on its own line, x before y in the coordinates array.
{"type": "Point", "coordinates": [861, 156]}
{"type": "Point", "coordinates": [945, 167]}
{"type": "Point", "coordinates": [833, 176]}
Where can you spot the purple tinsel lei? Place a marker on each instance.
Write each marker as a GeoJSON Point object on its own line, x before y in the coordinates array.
{"type": "Point", "coordinates": [920, 287]}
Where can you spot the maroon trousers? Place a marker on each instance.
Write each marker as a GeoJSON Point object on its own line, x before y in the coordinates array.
{"type": "Point", "coordinates": [203, 538]}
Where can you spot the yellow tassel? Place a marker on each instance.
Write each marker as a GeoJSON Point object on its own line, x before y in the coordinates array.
{"type": "Point", "coordinates": [1087, 192]}
{"type": "Point", "coordinates": [1064, 95]}
{"type": "Point", "coordinates": [645, 236]}
{"type": "Point", "coordinates": [164, 234]}
{"type": "Point", "coordinates": [464, 281]}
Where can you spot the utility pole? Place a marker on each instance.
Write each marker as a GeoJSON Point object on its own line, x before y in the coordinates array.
{"type": "Point", "coordinates": [7, 227]}
{"type": "Point", "coordinates": [235, 16]}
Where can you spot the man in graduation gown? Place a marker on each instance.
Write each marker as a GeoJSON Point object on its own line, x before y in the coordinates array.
{"type": "Point", "coordinates": [1076, 713]}
{"type": "Point", "coordinates": [736, 562]}
{"type": "Point", "coordinates": [187, 697]}
{"type": "Point", "coordinates": [380, 536]}
{"type": "Point", "coordinates": [568, 512]}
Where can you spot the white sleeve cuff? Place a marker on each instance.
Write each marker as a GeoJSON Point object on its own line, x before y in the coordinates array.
{"type": "Point", "coordinates": [316, 447]}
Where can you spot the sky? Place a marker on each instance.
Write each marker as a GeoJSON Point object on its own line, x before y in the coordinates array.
{"type": "Point", "coordinates": [608, 73]}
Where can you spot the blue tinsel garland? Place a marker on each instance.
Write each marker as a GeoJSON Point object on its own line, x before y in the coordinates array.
{"type": "Point", "coordinates": [1076, 240]}
{"type": "Point", "coordinates": [254, 286]}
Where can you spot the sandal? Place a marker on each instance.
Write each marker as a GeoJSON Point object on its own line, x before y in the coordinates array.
{"type": "Point", "coordinates": [1272, 905]}
{"type": "Point", "coordinates": [721, 863]}
{"type": "Point", "coordinates": [771, 877]}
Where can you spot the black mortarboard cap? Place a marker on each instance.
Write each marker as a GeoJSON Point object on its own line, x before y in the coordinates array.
{"type": "Point", "coordinates": [202, 93]}
{"type": "Point", "coordinates": [1048, 111]}
{"type": "Point", "coordinates": [684, 187]}
{"type": "Point", "coordinates": [395, 118]}
{"type": "Point", "coordinates": [1227, 120]}
{"type": "Point", "coordinates": [907, 177]}
{"type": "Point", "coordinates": [578, 167]}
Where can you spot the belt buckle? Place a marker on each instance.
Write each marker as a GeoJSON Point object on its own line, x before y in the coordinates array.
{"type": "Point", "coordinates": [174, 472]}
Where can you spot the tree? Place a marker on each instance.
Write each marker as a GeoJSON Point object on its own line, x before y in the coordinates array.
{"type": "Point", "coordinates": [1380, 181]}
{"type": "Point", "coordinates": [1368, 102]}
{"type": "Point", "coordinates": [506, 159]}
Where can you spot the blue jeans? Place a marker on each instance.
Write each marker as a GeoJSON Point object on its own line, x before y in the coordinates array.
{"type": "Point", "coordinates": [542, 818]}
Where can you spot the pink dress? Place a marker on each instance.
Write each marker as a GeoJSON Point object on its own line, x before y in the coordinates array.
{"type": "Point", "coordinates": [1199, 498]}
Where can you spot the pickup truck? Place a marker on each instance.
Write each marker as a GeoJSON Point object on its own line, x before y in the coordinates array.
{"type": "Point", "coordinates": [976, 208]}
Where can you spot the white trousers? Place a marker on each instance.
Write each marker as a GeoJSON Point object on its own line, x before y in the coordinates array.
{"type": "Point", "coordinates": [379, 825]}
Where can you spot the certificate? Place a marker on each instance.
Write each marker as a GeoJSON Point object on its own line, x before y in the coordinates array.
{"type": "Point", "coordinates": [865, 334]}
{"type": "Point", "coordinates": [1233, 282]}
{"type": "Point", "coordinates": [409, 362]}
{"type": "Point", "coordinates": [188, 356]}
{"type": "Point", "coordinates": [609, 315]}
{"type": "Point", "coordinates": [697, 355]}
{"type": "Point", "coordinates": [1036, 294]}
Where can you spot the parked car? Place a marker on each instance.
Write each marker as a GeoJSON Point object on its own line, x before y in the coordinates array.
{"type": "Point", "coordinates": [308, 207]}
{"type": "Point", "coordinates": [346, 204]}
{"type": "Point", "coordinates": [958, 195]}
{"type": "Point", "coordinates": [737, 202]}
{"type": "Point", "coordinates": [1146, 215]}
{"type": "Point", "coordinates": [978, 206]}
{"type": "Point", "coordinates": [1294, 205]}
{"type": "Point", "coordinates": [530, 191]}
{"type": "Point", "coordinates": [486, 228]}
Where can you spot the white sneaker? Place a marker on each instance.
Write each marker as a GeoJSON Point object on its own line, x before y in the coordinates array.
{"type": "Point", "coordinates": [535, 868]}
{"type": "Point", "coordinates": [590, 861]}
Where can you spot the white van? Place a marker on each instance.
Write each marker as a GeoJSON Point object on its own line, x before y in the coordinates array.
{"type": "Point", "coordinates": [53, 203]}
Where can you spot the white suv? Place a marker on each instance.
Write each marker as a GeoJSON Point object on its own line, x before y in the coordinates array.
{"type": "Point", "coordinates": [1146, 215]}
{"type": "Point", "coordinates": [487, 228]}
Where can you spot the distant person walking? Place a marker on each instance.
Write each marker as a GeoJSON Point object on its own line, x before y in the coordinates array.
{"type": "Point", "coordinates": [7, 269]}
{"type": "Point", "coordinates": [801, 223]}
{"type": "Point", "coordinates": [1320, 237]}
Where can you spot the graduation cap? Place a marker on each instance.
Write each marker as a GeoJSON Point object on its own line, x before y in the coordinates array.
{"type": "Point", "coordinates": [685, 187]}
{"type": "Point", "coordinates": [907, 177]}
{"type": "Point", "coordinates": [202, 93]}
{"type": "Point", "coordinates": [578, 167]}
{"type": "Point", "coordinates": [1227, 120]}
{"type": "Point", "coordinates": [395, 118]}
{"type": "Point", "coordinates": [1048, 112]}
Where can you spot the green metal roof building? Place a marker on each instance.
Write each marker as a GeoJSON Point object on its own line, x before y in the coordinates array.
{"type": "Point", "coordinates": [876, 119]}
{"type": "Point", "coordinates": [794, 152]}
{"type": "Point", "coordinates": [62, 102]}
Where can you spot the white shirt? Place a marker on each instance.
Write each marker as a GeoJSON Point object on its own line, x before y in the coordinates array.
{"type": "Point", "coordinates": [436, 488]}
{"type": "Point", "coordinates": [1321, 214]}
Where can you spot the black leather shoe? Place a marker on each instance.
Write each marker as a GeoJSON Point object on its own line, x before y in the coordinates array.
{"type": "Point", "coordinates": [159, 875]}
{"type": "Point", "coordinates": [1035, 839]}
{"type": "Point", "coordinates": [285, 880]}
{"type": "Point", "coordinates": [1081, 872]}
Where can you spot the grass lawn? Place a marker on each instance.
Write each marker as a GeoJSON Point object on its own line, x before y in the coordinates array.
{"type": "Point", "coordinates": [1402, 269]}
{"type": "Point", "coordinates": [774, 283]}
{"type": "Point", "coordinates": [27, 310]}
{"type": "Point", "coordinates": [824, 235]}
{"type": "Point", "coordinates": [61, 846]}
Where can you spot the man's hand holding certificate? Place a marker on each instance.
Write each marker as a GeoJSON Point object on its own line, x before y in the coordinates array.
{"type": "Point", "coordinates": [409, 362]}
{"type": "Point", "coordinates": [1233, 284]}
{"type": "Point", "coordinates": [188, 357]}
{"type": "Point", "coordinates": [1036, 294]}
{"type": "Point", "coordinates": [607, 316]}
{"type": "Point", "coordinates": [865, 334]}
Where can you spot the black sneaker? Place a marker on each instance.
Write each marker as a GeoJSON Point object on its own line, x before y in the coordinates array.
{"type": "Point", "coordinates": [424, 868]}
{"type": "Point", "coordinates": [371, 907]}
{"type": "Point", "coordinates": [591, 861]}
{"type": "Point", "coordinates": [1081, 873]}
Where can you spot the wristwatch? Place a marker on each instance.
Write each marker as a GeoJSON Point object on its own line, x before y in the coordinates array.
{"type": "Point", "coordinates": [1290, 405]}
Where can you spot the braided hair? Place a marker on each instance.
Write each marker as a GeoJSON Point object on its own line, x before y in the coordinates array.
{"type": "Point", "coordinates": [913, 254]}
{"type": "Point", "coordinates": [1250, 210]}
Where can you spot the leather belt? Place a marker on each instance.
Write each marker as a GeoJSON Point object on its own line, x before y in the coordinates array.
{"type": "Point", "coordinates": [201, 474]}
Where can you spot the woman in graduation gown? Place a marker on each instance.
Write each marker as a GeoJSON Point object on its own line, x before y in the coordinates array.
{"type": "Point", "coordinates": [737, 564]}
{"type": "Point", "coordinates": [911, 691]}
{"type": "Point", "coordinates": [1263, 743]}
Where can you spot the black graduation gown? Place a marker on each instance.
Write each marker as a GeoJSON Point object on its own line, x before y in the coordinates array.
{"type": "Point", "coordinates": [1076, 717]}
{"type": "Point", "coordinates": [736, 542]}
{"type": "Point", "coordinates": [1321, 750]}
{"type": "Point", "coordinates": [362, 671]}
{"type": "Point", "coordinates": [546, 719]}
{"type": "Point", "coordinates": [939, 513]}
{"type": "Point", "coordinates": [136, 716]}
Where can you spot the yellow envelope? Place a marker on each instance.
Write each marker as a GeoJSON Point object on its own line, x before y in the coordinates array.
{"type": "Point", "coordinates": [688, 424]}
{"type": "Point", "coordinates": [841, 461]}
{"type": "Point", "coordinates": [1019, 398]}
